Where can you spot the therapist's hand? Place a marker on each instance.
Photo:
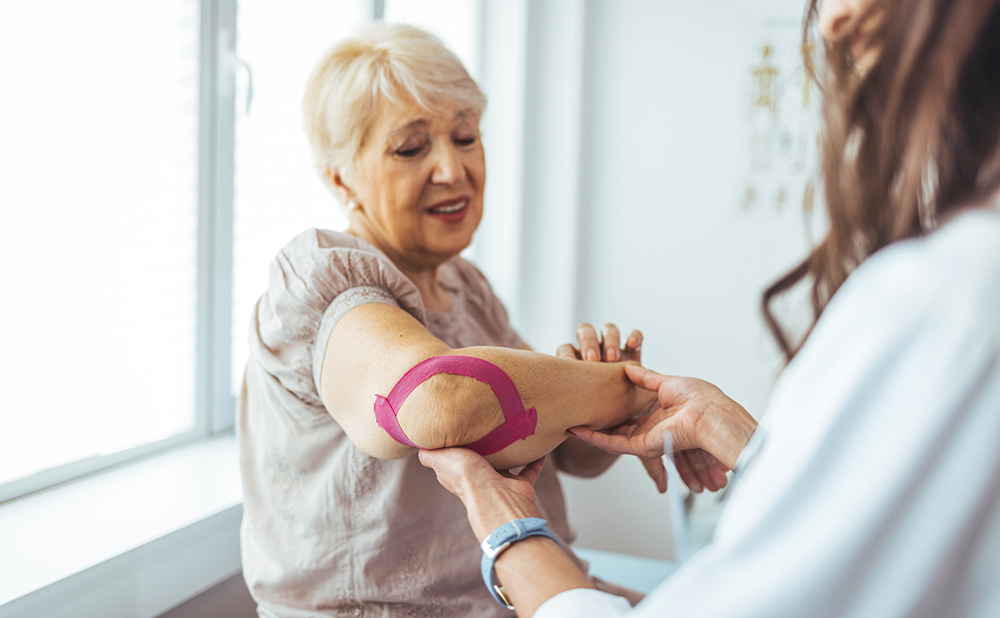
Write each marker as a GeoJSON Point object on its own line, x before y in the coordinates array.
{"type": "Point", "coordinates": [531, 571]}
{"type": "Point", "coordinates": [491, 498]}
{"type": "Point", "coordinates": [709, 428]}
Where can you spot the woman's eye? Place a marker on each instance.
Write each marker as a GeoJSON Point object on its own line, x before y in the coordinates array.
{"type": "Point", "coordinates": [465, 140]}
{"type": "Point", "coordinates": [410, 150]}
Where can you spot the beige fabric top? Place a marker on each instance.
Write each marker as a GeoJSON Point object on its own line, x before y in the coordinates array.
{"type": "Point", "coordinates": [328, 530]}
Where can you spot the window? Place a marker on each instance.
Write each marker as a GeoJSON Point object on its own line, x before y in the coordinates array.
{"type": "Point", "coordinates": [141, 209]}
{"type": "Point", "coordinates": [99, 113]}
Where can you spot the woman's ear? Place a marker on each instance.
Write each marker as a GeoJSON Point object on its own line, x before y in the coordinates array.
{"type": "Point", "coordinates": [340, 185]}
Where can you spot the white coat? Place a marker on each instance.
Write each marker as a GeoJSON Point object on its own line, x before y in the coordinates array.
{"type": "Point", "coordinates": [876, 491]}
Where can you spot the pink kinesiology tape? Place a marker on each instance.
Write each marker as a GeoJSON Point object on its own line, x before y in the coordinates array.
{"type": "Point", "coordinates": [519, 423]}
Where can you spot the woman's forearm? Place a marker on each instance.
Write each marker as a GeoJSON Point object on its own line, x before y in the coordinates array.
{"type": "Point", "coordinates": [581, 459]}
{"type": "Point", "coordinates": [449, 410]}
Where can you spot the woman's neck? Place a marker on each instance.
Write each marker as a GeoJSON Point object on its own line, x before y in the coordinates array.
{"type": "Point", "coordinates": [422, 273]}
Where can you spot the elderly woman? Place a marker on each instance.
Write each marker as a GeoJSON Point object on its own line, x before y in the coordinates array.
{"type": "Point", "coordinates": [340, 517]}
{"type": "Point", "coordinates": [875, 489]}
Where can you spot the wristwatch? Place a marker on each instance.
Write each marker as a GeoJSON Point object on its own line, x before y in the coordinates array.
{"type": "Point", "coordinates": [502, 538]}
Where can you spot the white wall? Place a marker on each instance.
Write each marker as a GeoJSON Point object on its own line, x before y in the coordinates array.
{"type": "Point", "coordinates": [623, 204]}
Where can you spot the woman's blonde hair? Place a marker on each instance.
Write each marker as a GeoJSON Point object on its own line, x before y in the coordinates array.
{"type": "Point", "coordinates": [393, 62]}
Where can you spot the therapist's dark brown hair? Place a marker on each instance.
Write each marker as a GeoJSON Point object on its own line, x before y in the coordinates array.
{"type": "Point", "coordinates": [905, 145]}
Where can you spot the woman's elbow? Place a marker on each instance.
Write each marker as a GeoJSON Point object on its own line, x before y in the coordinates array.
{"type": "Point", "coordinates": [449, 410]}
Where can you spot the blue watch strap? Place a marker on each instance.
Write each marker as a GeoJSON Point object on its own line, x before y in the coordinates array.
{"type": "Point", "coordinates": [502, 538]}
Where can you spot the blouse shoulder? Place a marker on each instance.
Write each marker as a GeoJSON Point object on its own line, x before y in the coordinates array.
{"type": "Point", "coordinates": [305, 277]}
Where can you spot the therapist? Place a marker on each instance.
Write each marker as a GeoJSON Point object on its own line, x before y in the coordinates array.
{"type": "Point", "coordinates": [874, 489]}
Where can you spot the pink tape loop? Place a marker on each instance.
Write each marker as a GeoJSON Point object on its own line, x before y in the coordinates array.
{"type": "Point", "coordinates": [518, 424]}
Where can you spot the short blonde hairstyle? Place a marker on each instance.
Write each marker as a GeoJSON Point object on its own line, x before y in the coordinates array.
{"type": "Point", "coordinates": [392, 62]}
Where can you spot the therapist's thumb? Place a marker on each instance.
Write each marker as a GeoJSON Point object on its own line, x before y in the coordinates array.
{"type": "Point", "coordinates": [644, 378]}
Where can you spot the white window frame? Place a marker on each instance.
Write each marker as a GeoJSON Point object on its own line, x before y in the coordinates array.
{"type": "Point", "coordinates": [214, 404]}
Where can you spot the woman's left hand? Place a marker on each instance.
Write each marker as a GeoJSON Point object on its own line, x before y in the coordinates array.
{"type": "Point", "coordinates": [606, 349]}
{"type": "Point", "coordinates": [491, 498]}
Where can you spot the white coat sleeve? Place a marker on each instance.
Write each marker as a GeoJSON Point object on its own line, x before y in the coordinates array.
{"type": "Point", "coordinates": [584, 602]}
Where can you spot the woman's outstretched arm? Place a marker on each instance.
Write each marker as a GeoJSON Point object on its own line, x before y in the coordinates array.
{"type": "Point", "coordinates": [374, 345]}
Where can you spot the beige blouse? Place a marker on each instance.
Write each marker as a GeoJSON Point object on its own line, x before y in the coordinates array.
{"type": "Point", "coordinates": [328, 530]}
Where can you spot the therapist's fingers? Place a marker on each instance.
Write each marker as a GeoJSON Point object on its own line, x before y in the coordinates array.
{"type": "Point", "coordinates": [567, 350]}
{"type": "Point", "coordinates": [611, 343]}
{"type": "Point", "coordinates": [711, 472]}
{"type": "Point", "coordinates": [656, 471]}
{"type": "Point", "coordinates": [590, 347]}
{"type": "Point", "coordinates": [646, 378]}
{"type": "Point", "coordinates": [643, 445]}
{"type": "Point", "coordinates": [714, 476]}
{"type": "Point", "coordinates": [717, 470]}
{"type": "Point", "coordinates": [531, 471]}
{"type": "Point", "coordinates": [456, 467]}
{"type": "Point", "coordinates": [686, 472]}
{"type": "Point", "coordinates": [702, 468]}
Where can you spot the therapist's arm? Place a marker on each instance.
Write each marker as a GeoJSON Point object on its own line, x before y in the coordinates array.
{"type": "Point", "coordinates": [708, 429]}
{"type": "Point", "coordinates": [374, 345]}
{"type": "Point", "coordinates": [531, 571]}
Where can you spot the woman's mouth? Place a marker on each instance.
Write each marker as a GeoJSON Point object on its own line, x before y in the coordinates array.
{"type": "Point", "coordinates": [450, 211]}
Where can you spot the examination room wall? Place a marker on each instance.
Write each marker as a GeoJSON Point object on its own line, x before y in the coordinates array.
{"type": "Point", "coordinates": [636, 136]}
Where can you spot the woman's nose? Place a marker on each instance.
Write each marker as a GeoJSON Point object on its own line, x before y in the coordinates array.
{"type": "Point", "coordinates": [448, 168]}
{"type": "Point", "coordinates": [835, 19]}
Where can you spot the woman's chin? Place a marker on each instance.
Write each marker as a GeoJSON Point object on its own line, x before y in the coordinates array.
{"type": "Point", "coordinates": [451, 239]}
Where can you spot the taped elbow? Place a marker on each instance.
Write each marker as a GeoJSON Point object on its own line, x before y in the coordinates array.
{"type": "Point", "coordinates": [458, 401]}
{"type": "Point", "coordinates": [449, 410]}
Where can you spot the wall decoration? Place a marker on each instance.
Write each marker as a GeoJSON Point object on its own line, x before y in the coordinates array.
{"type": "Point", "coordinates": [781, 119]}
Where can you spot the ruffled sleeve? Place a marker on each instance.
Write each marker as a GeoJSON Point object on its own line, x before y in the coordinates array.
{"type": "Point", "coordinates": [307, 275]}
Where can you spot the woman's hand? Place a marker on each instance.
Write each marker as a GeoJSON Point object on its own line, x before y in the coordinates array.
{"type": "Point", "coordinates": [491, 498]}
{"type": "Point", "coordinates": [709, 428]}
{"type": "Point", "coordinates": [576, 457]}
{"type": "Point", "coordinates": [608, 348]}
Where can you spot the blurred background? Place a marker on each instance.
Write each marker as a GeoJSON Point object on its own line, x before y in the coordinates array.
{"type": "Point", "coordinates": [650, 163]}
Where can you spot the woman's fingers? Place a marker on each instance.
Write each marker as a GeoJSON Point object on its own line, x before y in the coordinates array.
{"type": "Point", "coordinates": [590, 347]}
{"type": "Point", "coordinates": [632, 351]}
{"type": "Point", "coordinates": [608, 347]}
{"type": "Point", "coordinates": [567, 350]}
{"type": "Point", "coordinates": [656, 471]}
{"type": "Point", "coordinates": [611, 343]}
{"type": "Point", "coordinates": [634, 341]}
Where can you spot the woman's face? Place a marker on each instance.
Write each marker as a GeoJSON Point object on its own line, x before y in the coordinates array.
{"type": "Point", "coordinates": [851, 22]}
{"type": "Point", "coordinates": [418, 183]}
